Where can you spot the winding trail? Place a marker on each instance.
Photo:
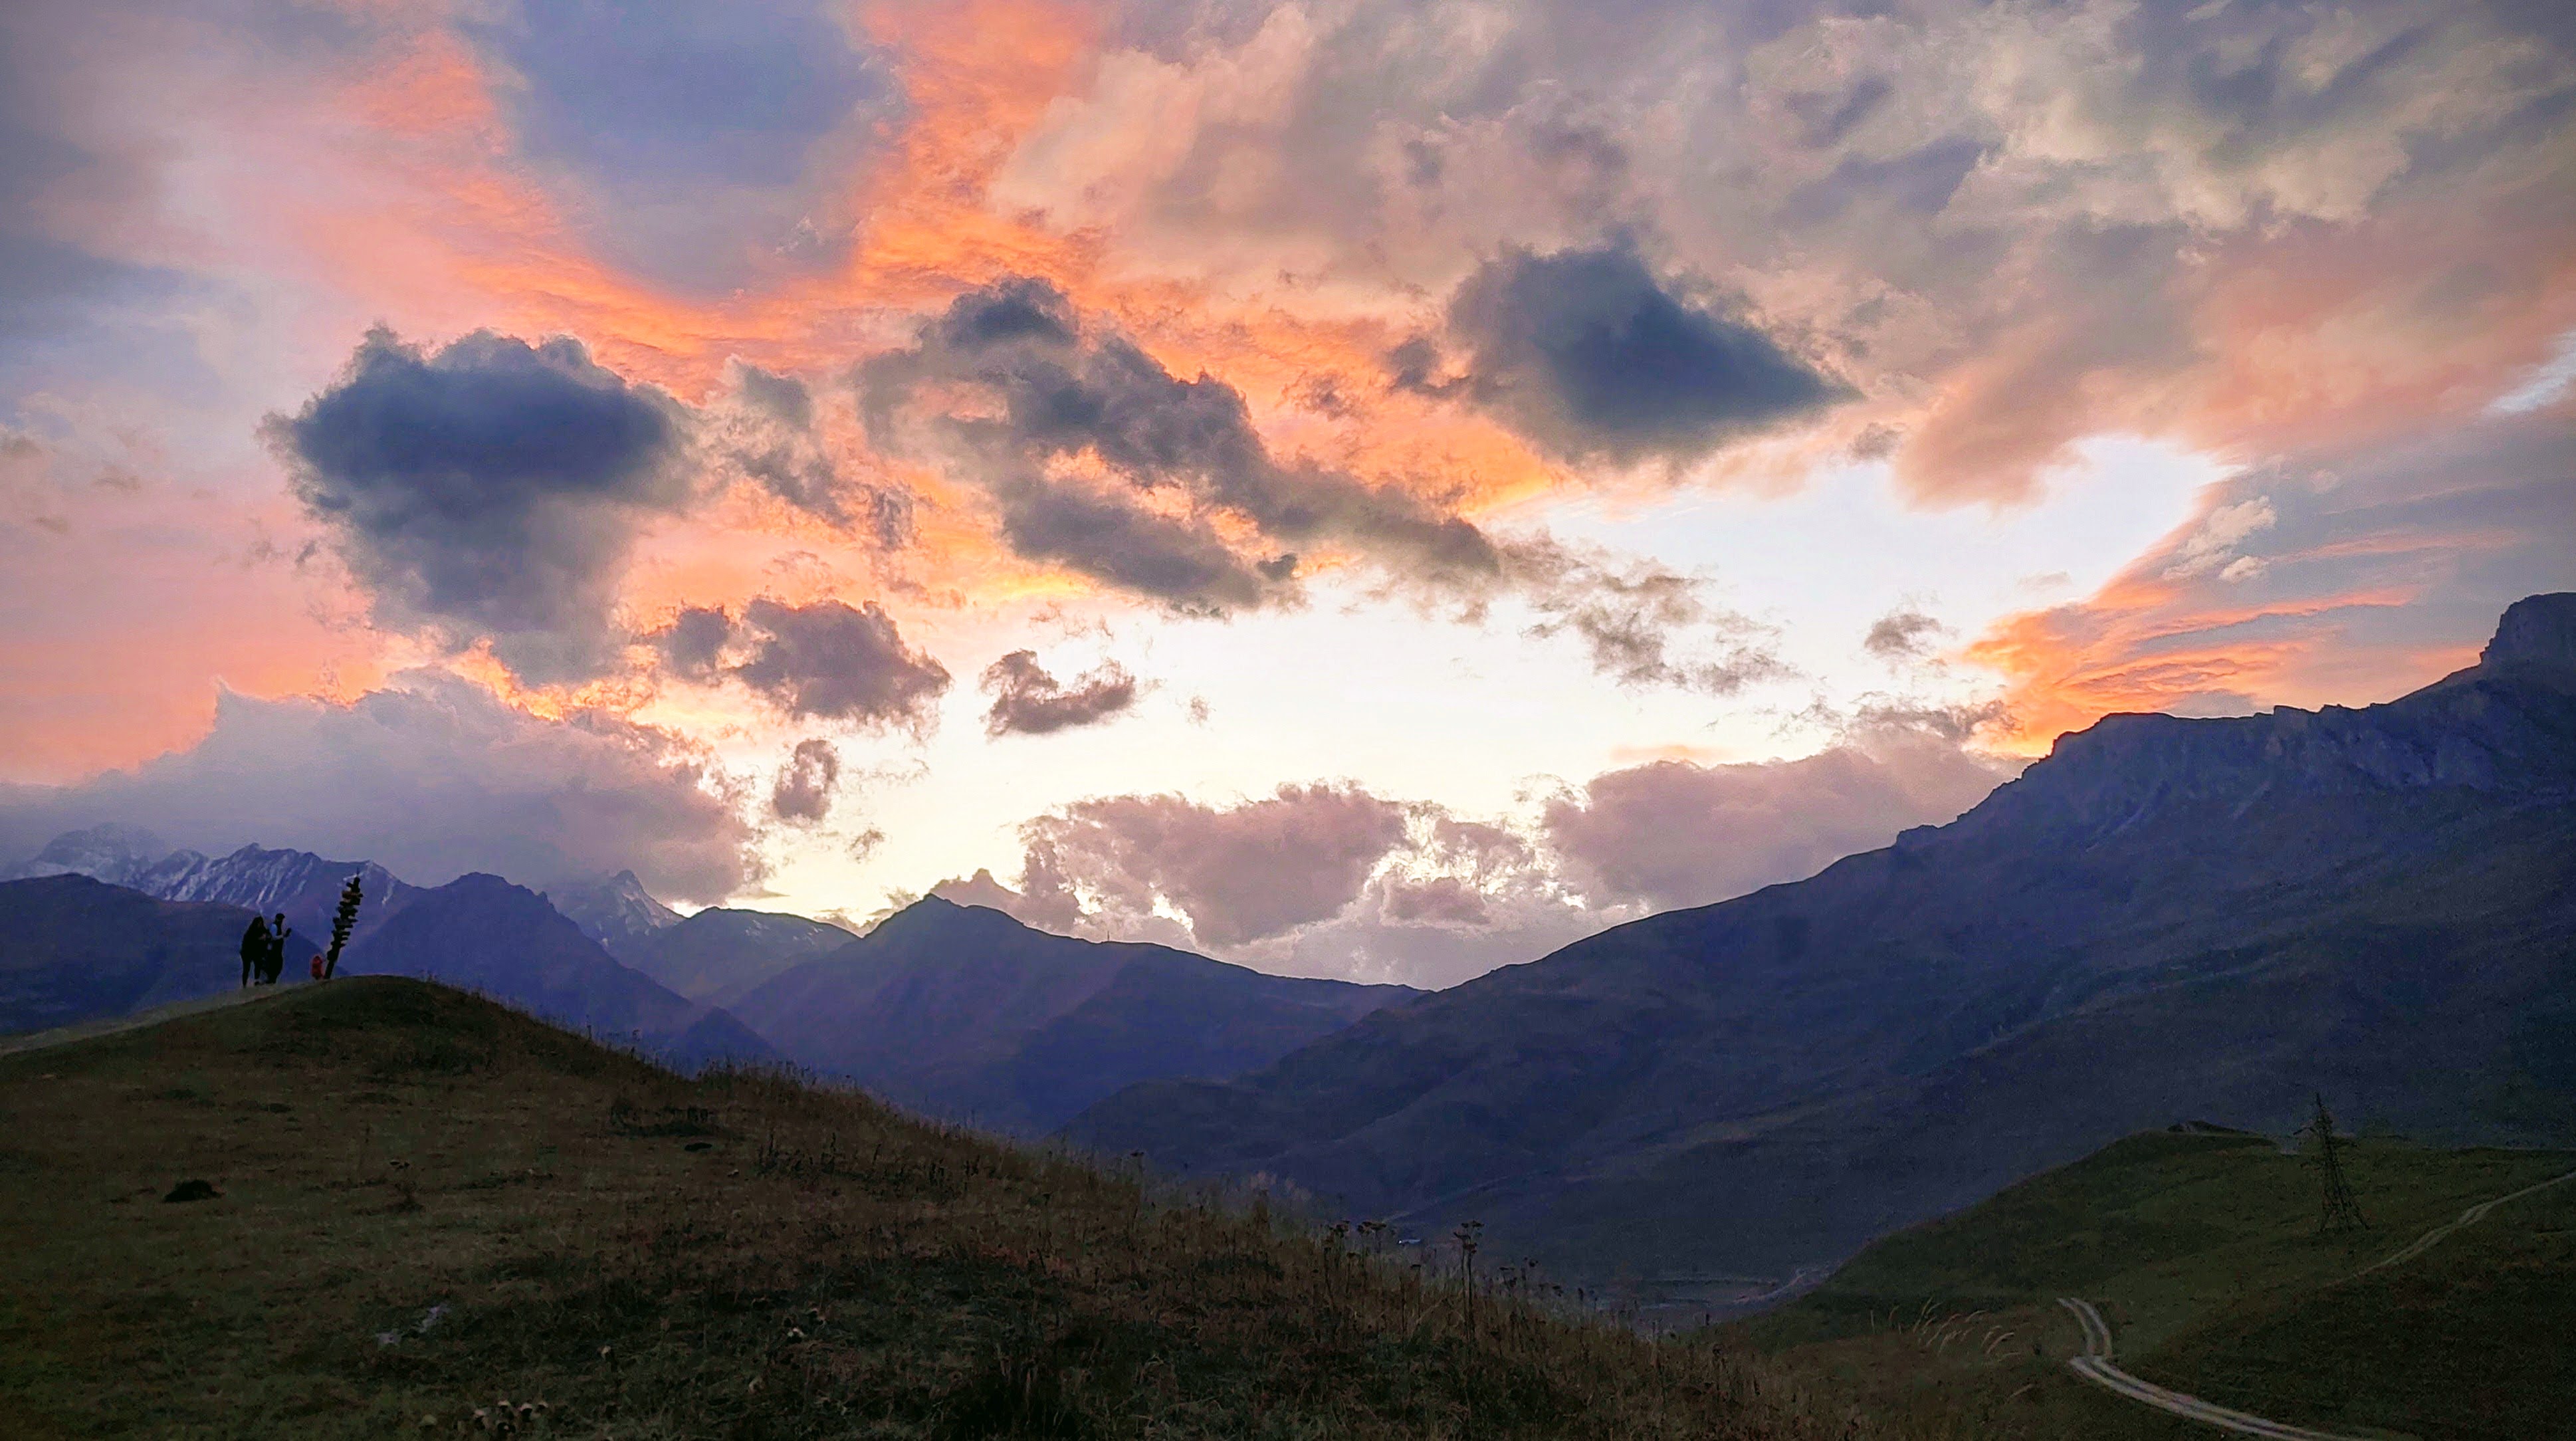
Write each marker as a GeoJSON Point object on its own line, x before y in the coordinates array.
{"type": "Point", "coordinates": [2095, 1366]}
{"type": "Point", "coordinates": [2469, 1217]}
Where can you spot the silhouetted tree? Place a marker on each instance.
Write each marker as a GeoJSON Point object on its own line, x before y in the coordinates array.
{"type": "Point", "coordinates": [342, 922]}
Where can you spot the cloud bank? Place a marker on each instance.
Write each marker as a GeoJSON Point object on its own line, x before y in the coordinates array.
{"type": "Point", "coordinates": [432, 778]}
{"type": "Point", "coordinates": [1335, 880]}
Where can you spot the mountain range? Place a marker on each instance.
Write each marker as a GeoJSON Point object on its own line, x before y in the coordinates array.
{"type": "Point", "coordinates": [966, 1013]}
{"type": "Point", "coordinates": [2165, 917]}
{"type": "Point", "coordinates": [81, 937]}
{"type": "Point", "coordinates": [957, 1012]}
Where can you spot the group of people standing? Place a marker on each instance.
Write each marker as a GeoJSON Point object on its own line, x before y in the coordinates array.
{"type": "Point", "coordinates": [263, 946]}
{"type": "Point", "coordinates": [264, 950]}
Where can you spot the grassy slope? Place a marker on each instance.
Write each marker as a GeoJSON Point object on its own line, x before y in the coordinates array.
{"type": "Point", "coordinates": [2202, 1252]}
{"type": "Point", "coordinates": [653, 1257]}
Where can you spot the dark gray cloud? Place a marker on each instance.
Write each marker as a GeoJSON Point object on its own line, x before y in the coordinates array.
{"type": "Point", "coordinates": [1643, 624]}
{"type": "Point", "coordinates": [490, 489]}
{"type": "Point", "coordinates": [829, 661]}
{"type": "Point", "coordinates": [803, 793]}
{"type": "Point", "coordinates": [1049, 391]}
{"type": "Point", "coordinates": [707, 145]}
{"type": "Point", "coordinates": [1028, 700]}
{"type": "Point", "coordinates": [693, 643]}
{"type": "Point", "coordinates": [1902, 634]}
{"type": "Point", "coordinates": [771, 434]}
{"type": "Point", "coordinates": [1053, 390]}
{"type": "Point", "coordinates": [825, 661]}
{"type": "Point", "coordinates": [432, 778]}
{"type": "Point", "coordinates": [1589, 355]}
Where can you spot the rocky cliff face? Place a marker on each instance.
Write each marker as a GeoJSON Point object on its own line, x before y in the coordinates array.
{"type": "Point", "coordinates": [2537, 631]}
{"type": "Point", "coordinates": [2506, 725]}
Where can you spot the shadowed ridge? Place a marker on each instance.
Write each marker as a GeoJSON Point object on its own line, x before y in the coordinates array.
{"type": "Point", "coordinates": [486, 933]}
{"type": "Point", "coordinates": [963, 1011]}
{"type": "Point", "coordinates": [75, 949]}
{"type": "Point", "coordinates": [721, 954]}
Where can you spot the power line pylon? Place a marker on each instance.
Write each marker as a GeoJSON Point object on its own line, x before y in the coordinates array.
{"type": "Point", "coordinates": [2341, 1214]}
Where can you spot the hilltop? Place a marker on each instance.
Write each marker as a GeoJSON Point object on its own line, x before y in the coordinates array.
{"type": "Point", "coordinates": [424, 1205]}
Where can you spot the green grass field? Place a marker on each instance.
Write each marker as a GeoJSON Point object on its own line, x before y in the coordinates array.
{"type": "Point", "coordinates": [430, 1207]}
{"type": "Point", "coordinates": [2203, 1252]}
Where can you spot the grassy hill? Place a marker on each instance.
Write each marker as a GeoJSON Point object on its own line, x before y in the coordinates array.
{"type": "Point", "coordinates": [2202, 1250]}
{"type": "Point", "coordinates": [428, 1205]}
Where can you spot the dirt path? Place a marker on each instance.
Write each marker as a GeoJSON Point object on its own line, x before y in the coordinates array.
{"type": "Point", "coordinates": [110, 1025]}
{"type": "Point", "coordinates": [2469, 1217]}
{"type": "Point", "coordinates": [2095, 1366]}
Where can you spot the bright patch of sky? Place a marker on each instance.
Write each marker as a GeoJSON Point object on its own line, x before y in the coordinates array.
{"type": "Point", "coordinates": [1483, 717]}
{"type": "Point", "coordinates": [2547, 382]}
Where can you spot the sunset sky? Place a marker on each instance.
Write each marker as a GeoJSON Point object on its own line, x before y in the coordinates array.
{"type": "Point", "coordinates": [1359, 488]}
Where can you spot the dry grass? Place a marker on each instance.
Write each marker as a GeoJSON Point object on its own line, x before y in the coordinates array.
{"type": "Point", "coordinates": [440, 1218]}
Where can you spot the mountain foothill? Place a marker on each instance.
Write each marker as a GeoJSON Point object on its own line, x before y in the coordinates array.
{"type": "Point", "coordinates": [2165, 917]}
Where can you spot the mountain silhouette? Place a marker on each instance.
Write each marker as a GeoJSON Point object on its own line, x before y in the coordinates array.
{"type": "Point", "coordinates": [75, 949]}
{"type": "Point", "coordinates": [963, 1012]}
{"type": "Point", "coordinates": [486, 934]}
{"type": "Point", "coordinates": [304, 886]}
{"type": "Point", "coordinates": [720, 954]}
{"type": "Point", "coordinates": [2165, 917]}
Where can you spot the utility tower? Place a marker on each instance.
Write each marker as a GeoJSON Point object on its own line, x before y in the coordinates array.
{"type": "Point", "coordinates": [2341, 1214]}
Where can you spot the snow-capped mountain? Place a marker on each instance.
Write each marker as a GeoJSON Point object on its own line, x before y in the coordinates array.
{"type": "Point", "coordinates": [116, 854]}
{"type": "Point", "coordinates": [303, 885]}
{"type": "Point", "coordinates": [615, 911]}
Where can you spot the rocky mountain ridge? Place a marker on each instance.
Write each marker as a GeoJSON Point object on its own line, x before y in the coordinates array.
{"type": "Point", "coordinates": [2166, 917]}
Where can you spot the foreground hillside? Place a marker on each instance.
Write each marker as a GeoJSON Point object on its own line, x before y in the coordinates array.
{"type": "Point", "coordinates": [426, 1205]}
{"type": "Point", "coordinates": [2165, 917]}
{"type": "Point", "coordinates": [2202, 1252]}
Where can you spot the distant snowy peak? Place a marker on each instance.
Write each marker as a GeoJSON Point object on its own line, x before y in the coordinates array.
{"type": "Point", "coordinates": [116, 854]}
{"type": "Point", "coordinates": [615, 911]}
{"type": "Point", "coordinates": [264, 880]}
{"type": "Point", "coordinates": [304, 886]}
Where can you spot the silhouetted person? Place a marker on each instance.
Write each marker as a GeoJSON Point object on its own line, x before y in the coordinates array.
{"type": "Point", "coordinates": [276, 952]}
{"type": "Point", "coordinates": [255, 951]}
